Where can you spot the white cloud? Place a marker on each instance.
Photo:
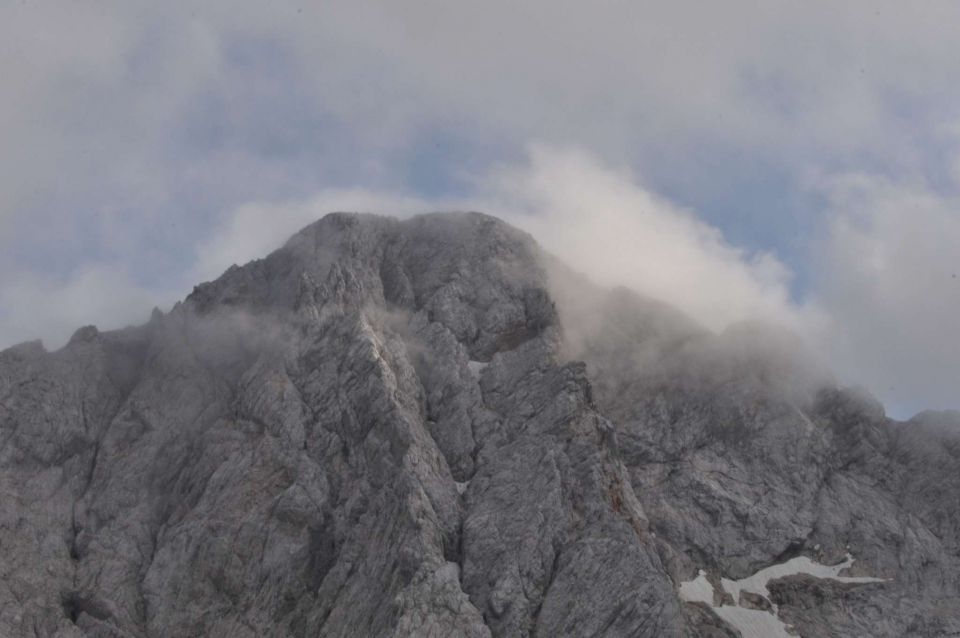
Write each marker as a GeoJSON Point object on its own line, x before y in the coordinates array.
{"type": "Point", "coordinates": [605, 224]}
{"type": "Point", "coordinates": [597, 219]}
{"type": "Point", "coordinates": [255, 229]}
{"type": "Point", "coordinates": [889, 279]}
{"type": "Point", "coordinates": [885, 296]}
{"type": "Point", "coordinates": [884, 300]}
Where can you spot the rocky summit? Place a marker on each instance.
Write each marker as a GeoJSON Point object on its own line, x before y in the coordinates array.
{"type": "Point", "coordinates": [430, 427]}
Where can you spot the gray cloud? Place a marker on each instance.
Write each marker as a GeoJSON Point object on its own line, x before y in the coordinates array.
{"type": "Point", "coordinates": [889, 275]}
{"type": "Point", "coordinates": [34, 307]}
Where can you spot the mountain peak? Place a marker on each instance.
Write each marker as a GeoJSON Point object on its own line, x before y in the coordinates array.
{"type": "Point", "coordinates": [428, 426]}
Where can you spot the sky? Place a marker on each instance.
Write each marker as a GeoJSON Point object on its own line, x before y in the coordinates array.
{"type": "Point", "coordinates": [795, 162]}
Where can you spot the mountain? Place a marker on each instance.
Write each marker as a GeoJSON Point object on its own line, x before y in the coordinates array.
{"type": "Point", "coordinates": [430, 427]}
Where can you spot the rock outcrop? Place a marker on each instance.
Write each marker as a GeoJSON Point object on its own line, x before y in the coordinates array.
{"type": "Point", "coordinates": [429, 428]}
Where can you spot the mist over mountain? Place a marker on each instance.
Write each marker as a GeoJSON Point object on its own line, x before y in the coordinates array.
{"type": "Point", "coordinates": [433, 427]}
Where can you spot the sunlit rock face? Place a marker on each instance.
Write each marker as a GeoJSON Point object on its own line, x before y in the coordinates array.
{"type": "Point", "coordinates": [429, 428]}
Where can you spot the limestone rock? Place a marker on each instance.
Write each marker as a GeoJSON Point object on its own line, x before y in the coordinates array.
{"type": "Point", "coordinates": [430, 428]}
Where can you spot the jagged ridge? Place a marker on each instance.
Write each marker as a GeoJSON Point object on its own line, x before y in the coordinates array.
{"type": "Point", "coordinates": [410, 428]}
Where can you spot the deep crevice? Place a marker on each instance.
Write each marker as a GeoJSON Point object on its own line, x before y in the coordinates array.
{"type": "Point", "coordinates": [74, 604]}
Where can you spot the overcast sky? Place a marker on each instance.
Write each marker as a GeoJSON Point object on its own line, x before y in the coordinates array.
{"type": "Point", "coordinates": [792, 161]}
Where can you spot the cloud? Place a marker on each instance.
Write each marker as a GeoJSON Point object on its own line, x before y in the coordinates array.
{"type": "Point", "coordinates": [32, 307]}
{"type": "Point", "coordinates": [35, 306]}
{"type": "Point", "coordinates": [598, 219]}
{"type": "Point", "coordinates": [888, 276]}
{"type": "Point", "coordinates": [604, 223]}
{"type": "Point", "coordinates": [157, 105]}
{"type": "Point", "coordinates": [255, 229]}
{"type": "Point", "coordinates": [175, 139]}
{"type": "Point", "coordinates": [885, 291]}
{"type": "Point", "coordinates": [886, 286]}
{"type": "Point", "coordinates": [90, 94]}
{"type": "Point", "coordinates": [884, 294]}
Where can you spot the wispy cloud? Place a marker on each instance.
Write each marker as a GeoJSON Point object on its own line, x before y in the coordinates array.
{"type": "Point", "coordinates": [606, 224]}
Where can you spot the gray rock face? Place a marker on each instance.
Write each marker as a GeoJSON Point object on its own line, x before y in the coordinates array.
{"type": "Point", "coordinates": [429, 428]}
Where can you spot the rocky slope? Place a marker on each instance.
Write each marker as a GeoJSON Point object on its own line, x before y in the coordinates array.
{"type": "Point", "coordinates": [429, 428]}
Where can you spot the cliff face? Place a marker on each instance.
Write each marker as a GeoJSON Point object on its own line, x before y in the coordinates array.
{"type": "Point", "coordinates": [428, 428]}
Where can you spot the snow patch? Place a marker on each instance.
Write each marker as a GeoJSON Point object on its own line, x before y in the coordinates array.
{"type": "Point", "coordinates": [756, 623]}
{"type": "Point", "coordinates": [476, 367]}
{"type": "Point", "coordinates": [461, 487]}
{"type": "Point", "coordinates": [757, 583]}
{"type": "Point", "coordinates": [698, 590]}
{"type": "Point", "coordinates": [753, 623]}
